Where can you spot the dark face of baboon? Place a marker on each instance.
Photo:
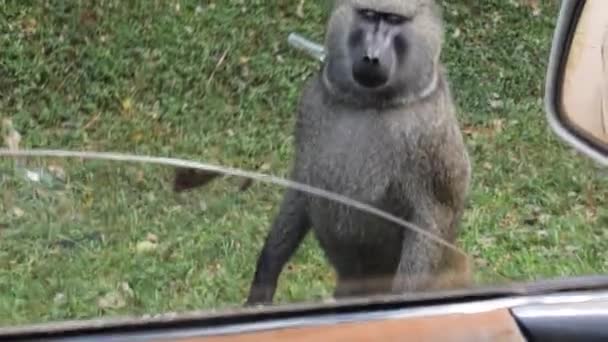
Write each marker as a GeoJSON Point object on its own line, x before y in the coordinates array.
{"type": "Point", "coordinates": [383, 50]}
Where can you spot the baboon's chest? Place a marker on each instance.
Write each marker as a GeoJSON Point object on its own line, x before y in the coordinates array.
{"type": "Point", "coordinates": [366, 159]}
{"type": "Point", "coordinates": [358, 156]}
{"type": "Point", "coordinates": [353, 154]}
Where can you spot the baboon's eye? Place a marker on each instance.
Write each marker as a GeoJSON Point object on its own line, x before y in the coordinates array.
{"type": "Point", "coordinates": [395, 19]}
{"type": "Point", "coordinates": [368, 14]}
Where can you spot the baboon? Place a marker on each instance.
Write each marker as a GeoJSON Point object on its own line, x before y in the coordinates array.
{"type": "Point", "coordinates": [377, 124]}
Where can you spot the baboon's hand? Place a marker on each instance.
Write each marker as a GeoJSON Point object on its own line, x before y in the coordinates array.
{"type": "Point", "coordinates": [257, 300]}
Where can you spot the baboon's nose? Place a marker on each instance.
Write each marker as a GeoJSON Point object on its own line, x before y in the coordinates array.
{"type": "Point", "coordinates": [369, 72]}
{"type": "Point", "coordinates": [371, 60]}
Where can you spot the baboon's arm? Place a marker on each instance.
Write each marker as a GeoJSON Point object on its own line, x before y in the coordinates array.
{"type": "Point", "coordinates": [287, 232]}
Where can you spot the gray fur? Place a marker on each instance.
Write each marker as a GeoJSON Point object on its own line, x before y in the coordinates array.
{"type": "Point", "coordinates": [398, 147]}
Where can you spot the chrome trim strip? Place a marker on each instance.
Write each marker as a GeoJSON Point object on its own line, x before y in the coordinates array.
{"type": "Point", "coordinates": [597, 308]}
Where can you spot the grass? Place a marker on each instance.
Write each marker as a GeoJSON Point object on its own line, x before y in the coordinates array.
{"type": "Point", "coordinates": [216, 81]}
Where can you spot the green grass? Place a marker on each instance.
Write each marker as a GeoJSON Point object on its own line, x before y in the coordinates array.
{"type": "Point", "coordinates": [141, 76]}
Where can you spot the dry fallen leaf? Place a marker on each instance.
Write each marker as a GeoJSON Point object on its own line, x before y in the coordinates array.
{"type": "Point", "coordinates": [265, 167]}
{"type": "Point", "coordinates": [12, 138]}
{"type": "Point", "coordinates": [534, 5]}
{"type": "Point", "coordinates": [137, 136]}
{"type": "Point", "coordinates": [127, 105]}
{"type": "Point", "coordinates": [126, 289]}
{"type": "Point", "coordinates": [145, 246]}
{"type": "Point", "coordinates": [300, 9]}
{"type": "Point", "coordinates": [152, 238]}
{"type": "Point", "coordinates": [498, 125]}
{"type": "Point", "coordinates": [29, 26]}
{"type": "Point", "coordinates": [57, 171]}
{"type": "Point", "coordinates": [60, 299]}
{"type": "Point", "coordinates": [18, 212]}
{"type": "Point", "coordinates": [112, 300]}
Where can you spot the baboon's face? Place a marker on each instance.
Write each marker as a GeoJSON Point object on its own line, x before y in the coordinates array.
{"type": "Point", "coordinates": [376, 43]}
{"type": "Point", "coordinates": [387, 51]}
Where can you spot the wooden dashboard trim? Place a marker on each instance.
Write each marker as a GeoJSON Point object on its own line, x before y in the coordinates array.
{"type": "Point", "coordinates": [496, 325]}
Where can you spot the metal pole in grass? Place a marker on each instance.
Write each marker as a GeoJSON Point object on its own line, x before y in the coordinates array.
{"type": "Point", "coordinates": [315, 50]}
